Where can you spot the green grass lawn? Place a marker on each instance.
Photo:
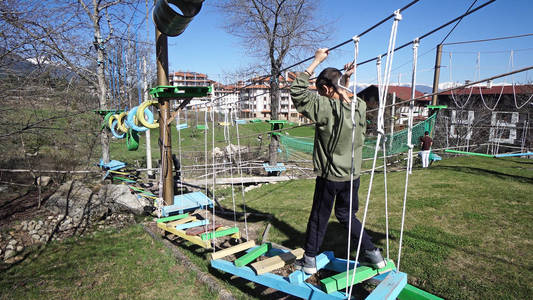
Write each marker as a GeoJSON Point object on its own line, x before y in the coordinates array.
{"type": "Point", "coordinates": [467, 224]}
{"type": "Point", "coordinates": [124, 264]}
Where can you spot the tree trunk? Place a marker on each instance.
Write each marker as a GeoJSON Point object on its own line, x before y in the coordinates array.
{"type": "Point", "coordinates": [104, 135]}
{"type": "Point", "coordinates": [274, 108]}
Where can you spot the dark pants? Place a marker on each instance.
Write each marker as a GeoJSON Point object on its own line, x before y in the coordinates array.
{"type": "Point", "coordinates": [325, 193]}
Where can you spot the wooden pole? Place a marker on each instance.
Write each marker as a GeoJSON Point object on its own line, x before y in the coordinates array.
{"type": "Point", "coordinates": [164, 115]}
{"type": "Point", "coordinates": [436, 75]}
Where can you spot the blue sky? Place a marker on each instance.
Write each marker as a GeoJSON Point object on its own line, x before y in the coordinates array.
{"type": "Point", "coordinates": [206, 48]}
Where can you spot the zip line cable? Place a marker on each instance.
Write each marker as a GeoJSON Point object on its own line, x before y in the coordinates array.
{"type": "Point", "coordinates": [332, 48]}
{"type": "Point", "coordinates": [490, 39]}
{"type": "Point", "coordinates": [454, 26]}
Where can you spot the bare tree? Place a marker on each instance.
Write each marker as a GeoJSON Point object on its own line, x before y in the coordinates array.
{"type": "Point", "coordinates": [273, 30]}
{"type": "Point", "coordinates": [71, 35]}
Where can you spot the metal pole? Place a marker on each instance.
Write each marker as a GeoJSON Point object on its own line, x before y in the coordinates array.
{"type": "Point", "coordinates": [436, 75]}
{"type": "Point", "coordinates": [161, 46]}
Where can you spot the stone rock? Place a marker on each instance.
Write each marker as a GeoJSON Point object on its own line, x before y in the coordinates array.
{"type": "Point", "coordinates": [20, 248]}
{"type": "Point", "coordinates": [44, 180]}
{"type": "Point", "coordinates": [120, 198]}
{"type": "Point", "coordinates": [9, 253]}
{"type": "Point", "coordinates": [35, 237]}
{"type": "Point", "coordinates": [3, 188]}
{"type": "Point", "coordinates": [10, 247]}
{"type": "Point", "coordinates": [76, 200]}
{"type": "Point", "coordinates": [12, 242]}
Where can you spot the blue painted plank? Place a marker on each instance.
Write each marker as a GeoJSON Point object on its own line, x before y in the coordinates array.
{"type": "Point", "coordinates": [192, 224]}
{"type": "Point", "coordinates": [390, 287]}
{"type": "Point", "coordinates": [187, 202]}
{"type": "Point", "coordinates": [181, 126]}
{"type": "Point", "coordinates": [112, 165]}
{"type": "Point", "coordinates": [303, 289]}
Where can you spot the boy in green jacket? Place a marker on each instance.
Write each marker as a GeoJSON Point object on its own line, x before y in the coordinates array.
{"type": "Point", "coordinates": [332, 154]}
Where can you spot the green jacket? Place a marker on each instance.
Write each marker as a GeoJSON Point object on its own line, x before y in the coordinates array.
{"type": "Point", "coordinates": [332, 152]}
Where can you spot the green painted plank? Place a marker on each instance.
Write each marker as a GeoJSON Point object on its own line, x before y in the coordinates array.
{"type": "Point", "coordinates": [468, 153]}
{"type": "Point", "coordinates": [252, 255]}
{"type": "Point", "coordinates": [329, 284]}
{"type": "Point", "coordinates": [363, 273]}
{"type": "Point", "coordinates": [410, 292]}
{"type": "Point", "coordinates": [172, 218]}
{"type": "Point", "coordinates": [209, 235]}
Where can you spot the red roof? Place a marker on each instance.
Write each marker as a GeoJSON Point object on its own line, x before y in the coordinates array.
{"type": "Point", "coordinates": [494, 90]}
{"type": "Point", "coordinates": [404, 93]}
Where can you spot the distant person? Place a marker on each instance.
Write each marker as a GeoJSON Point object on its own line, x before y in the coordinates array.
{"type": "Point", "coordinates": [332, 157]}
{"type": "Point", "coordinates": [425, 144]}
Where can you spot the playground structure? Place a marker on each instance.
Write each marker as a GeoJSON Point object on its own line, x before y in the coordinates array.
{"type": "Point", "coordinates": [204, 232]}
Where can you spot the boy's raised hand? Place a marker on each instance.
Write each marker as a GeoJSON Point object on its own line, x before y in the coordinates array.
{"type": "Point", "coordinates": [321, 54]}
{"type": "Point", "coordinates": [349, 68]}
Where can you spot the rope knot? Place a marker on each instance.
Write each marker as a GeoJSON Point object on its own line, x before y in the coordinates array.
{"type": "Point", "coordinates": [397, 15]}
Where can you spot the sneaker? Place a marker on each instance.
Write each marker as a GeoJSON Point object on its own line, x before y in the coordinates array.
{"type": "Point", "coordinates": [373, 258]}
{"type": "Point", "coordinates": [307, 263]}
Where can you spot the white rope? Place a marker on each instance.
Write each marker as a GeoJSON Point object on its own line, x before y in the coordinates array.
{"type": "Point", "coordinates": [514, 91]}
{"type": "Point", "coordinates": [230, 152]}
{"type": "Point", "coordinates": [242, 181]}
{"type": "Point", "coordinates": [380, 129]}
{"type": "Point", "coordinates": [479, 76]}
{"type": "Point", "coordinates": [451, 91]}
{"type": "Point", "coordinates": [352, 110]}
{"type": "Point", "coordinates": [212, 115]}
{"type": "Point", "coordinates": [179, 151]}
{"type": "Point", "coordinates": [410, 145]}
{"type": "Point", "coordinates": [206, 229]}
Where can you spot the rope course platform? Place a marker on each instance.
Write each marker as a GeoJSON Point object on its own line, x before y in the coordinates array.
{"type": "Point", "coordinates": [187, 202]}
{"type": "Point", "coordinates": [193, 230]}
{"type": "Point", "coordinates": [112, 165]}
{"type": "Point", "coordinates": [169, 91]}
{"type": "Point", "coordinates": [182, 126]}
{"type": "Point", "coordinates": [279, 167]}
{"type": "Point", "coordinates": [393, 284]}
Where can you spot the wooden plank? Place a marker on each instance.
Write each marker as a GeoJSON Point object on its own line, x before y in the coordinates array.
{"type": "Point", "coordinates": [302, 290]}
{"type": "Point", "coordinates": [202, 229]}
{"type": "Point", "coordinates": [363, 273]}
{"type": "Point", "coordinates": [410, 292]}
{"type": "Point", "coordinates": [192, 224]}
{"type": "Point", "coordinates": [181, 221]}
{"type": "Point", "coordinates": [232, 250]}
{"type": "Point", "coordinates": [277, 262]}
{"type": "Point", "coordinates": [193, 239]}
{"type": "Point", "coordinates": [252, 255]}
{"type": "Point", "coordinates": [219, 233]}
{"type": "Point", "coordinates": [389, 288]}
{"type": "Point", "coordinates": [172, 218]}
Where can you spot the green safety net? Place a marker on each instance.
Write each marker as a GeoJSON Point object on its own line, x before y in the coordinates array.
{"type": "Point", "coordinates": [397, 143]}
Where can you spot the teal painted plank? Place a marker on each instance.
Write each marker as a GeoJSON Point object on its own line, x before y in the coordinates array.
{"type": "Point", "coordinates": [389, 288]}
{"type": "Point", "coordinates": [192, 224]}
{"type": "Point", "coordinates": [252, 255]}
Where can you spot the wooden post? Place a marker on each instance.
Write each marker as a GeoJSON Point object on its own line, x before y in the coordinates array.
{"type": "Point", "coordinates": [436, 75]}
{"type": "Point", "coordinates": [164, 115]}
